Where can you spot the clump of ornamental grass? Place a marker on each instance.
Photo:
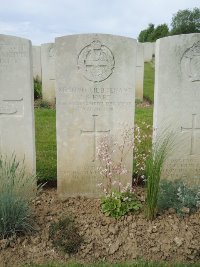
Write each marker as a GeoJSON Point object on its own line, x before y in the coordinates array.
{"type": "Point", "coordinates": [154, 164]}
{"type": "Point", "coordinates": [119, 198]}
{"type": "Point", "coordinates": [16, 190]}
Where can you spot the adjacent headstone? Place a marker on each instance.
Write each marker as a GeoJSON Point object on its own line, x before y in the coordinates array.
{"type": "Point", "coordinates": [177, 102]}
{"type": "Point", "coordinates": [139, 72]}
{"type": "Point", "coordinates": [48, 72]}
{"type": "Point", "coordinates": [16, 100]}
{"type": "Point", "coordinates": [149, 50]}
{"type": "Point", "coordinates": [95, 93]}
{"type": "Point", "coordinates": [37, 70]}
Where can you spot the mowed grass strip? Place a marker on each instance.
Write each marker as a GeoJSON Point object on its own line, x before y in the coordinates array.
{"type": "Point", "coordinates": [149, 70]}
{"type": "Point", "coordinates": [45, 128]}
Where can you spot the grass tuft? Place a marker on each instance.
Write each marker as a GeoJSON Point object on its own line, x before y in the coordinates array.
{"type": "Point", "coordinates": [160, 151]}
{"type": "Point", "coordinates": [16, 190]}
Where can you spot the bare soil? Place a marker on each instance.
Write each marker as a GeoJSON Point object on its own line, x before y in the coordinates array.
{"type": "Point", "coordinates": [168, 238]}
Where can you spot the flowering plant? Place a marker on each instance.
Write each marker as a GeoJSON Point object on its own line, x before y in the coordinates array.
{"type": "Point", "coordinates": [112, 155]}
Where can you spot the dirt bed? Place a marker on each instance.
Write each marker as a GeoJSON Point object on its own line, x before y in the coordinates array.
{"type": "Point", "coordinates": [168, 238]}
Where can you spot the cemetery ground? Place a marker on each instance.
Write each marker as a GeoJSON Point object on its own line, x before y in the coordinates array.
{"type": "Point", "coordinates": [132, 238]}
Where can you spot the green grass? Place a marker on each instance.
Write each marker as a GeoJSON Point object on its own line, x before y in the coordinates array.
{"type": "Point", "coordinates": [45, 124]}
{"type": "Point", "coordinates": [144, 115]}
{"type": "Point", "coordinates": [149, 82]}
{"type": "Point", "coordinates": [139, 264]}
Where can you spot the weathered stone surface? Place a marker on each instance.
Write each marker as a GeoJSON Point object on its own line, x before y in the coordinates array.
{"type": "Point", "coordinates": [139, 72]}
{"type": "Point", "coordinates": [149, 50]}
{"type": "Point", "coordinates": [37, 69]}
{"type": "Point", "coordinates": [48, 72]}
{"type": "Point", "coordinates": [17, 133]}
{"type": "Point", "coordinates": [95, 92]}
{"type": "Point", "coordinates": [177, 98]}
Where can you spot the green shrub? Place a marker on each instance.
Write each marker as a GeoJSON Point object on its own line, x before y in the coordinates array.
{"type": "Point", "coordinates": [117, 204]}
{"type": "Point", "coordinates": [37, 88]}
{"type": "Point", "coordinates": [64, 235]}
{"type": "Point", "coordinates": [16, 190]}
{"type": "Point", "coordinates": [153, 168]}
{"type": "Point", "coordinates": [178, 195]}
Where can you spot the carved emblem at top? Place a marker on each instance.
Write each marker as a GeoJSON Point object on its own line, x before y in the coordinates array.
{"type": "Point", "coordinates": [190, 63]}
{"type": "Point", "coordinates": [96, 62]}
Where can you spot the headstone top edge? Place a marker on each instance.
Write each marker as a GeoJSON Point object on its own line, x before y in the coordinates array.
{"type": "Point", "coordinates": [15, 37]}
{"type": "Point", "coordinates": [94, 35]}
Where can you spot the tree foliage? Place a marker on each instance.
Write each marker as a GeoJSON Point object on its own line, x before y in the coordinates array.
{"type": "Point", "coordinates": [152, 33]}
{"type": "Point", "coordinates": [186, 21]}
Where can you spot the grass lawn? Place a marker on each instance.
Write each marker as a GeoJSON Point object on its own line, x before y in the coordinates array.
{"type": "Point", "coordinates": [45, 127]}
{"type": "Point", "coordinates": [149, 82]}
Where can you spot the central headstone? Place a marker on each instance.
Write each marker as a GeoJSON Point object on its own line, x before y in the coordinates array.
{"type": "Point", "coordinates": [95, 94]}
{"type": "Point", "coordinates": [48, 72]}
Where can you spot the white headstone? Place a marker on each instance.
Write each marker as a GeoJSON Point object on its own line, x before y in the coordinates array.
{"type": "Point", "coordinates": [139, 72]}
{"type": "Point", "coordinates": [48, 72]}
{"type": "Point", "coordinates": [95, 92]}
{"type": "Point", "coordinates": [37, 70]}
{"type": "Point", "coordinates": [17, 133]}
{"type": "Point", "coordinates": [177, 102]}
{"type": "Point", "coordinates": [149, 50]}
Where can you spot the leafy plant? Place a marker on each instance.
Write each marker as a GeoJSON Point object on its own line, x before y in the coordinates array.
{"type": "Point", "coordinates": [179, 196]}
{"type": "Point", "coordinates": [16, 190]}
{"type": "Point", "coordinates": [64, 235]}
{"type": "Point", "coordinates": [37, 88]}
{"type": "Point", "coordinates": [117, 204]}
{"type": "Point", "coordinates": [154, 164]}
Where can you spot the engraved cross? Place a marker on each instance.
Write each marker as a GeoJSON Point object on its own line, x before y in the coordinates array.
{"type": "Point", "coordinates": [192, 130]}
{"type": "Point", "coordinates": [94, 132]}
{"type": "Point", "coordinates": [8, 108]}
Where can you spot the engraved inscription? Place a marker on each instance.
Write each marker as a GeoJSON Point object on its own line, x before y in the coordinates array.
{"type": "Point", "coordinates": [190, 63]}
{"type": "Point", "coordinates": [94, 132]}
{"type": "Point", "coordinates": [193, 129]}
{"type": "Point", "coordinates": [96, 99]}
{"type": "Point", "coordinates": [11, 54]}
{"type": "Point", "coordinates": [8, 107]}
{"type": "Point", "coordinates": [96, 62]}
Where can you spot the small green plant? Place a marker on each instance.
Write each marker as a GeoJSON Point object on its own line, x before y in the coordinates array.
{"type": "Point", "coordinates": [64, 235]}
{"type": "Point", "coordinates": [16, 190]}
{"type": "Point", "coordinates": [118, 200]}
{"type": "Point", "coordinates": [117, 204]}
{"type": "Point", "coordinates": [179, 196]}
{"type": "Point", "coordinates": [155, 161]}
{"type": "Point", "coordinates": [37, 88]}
